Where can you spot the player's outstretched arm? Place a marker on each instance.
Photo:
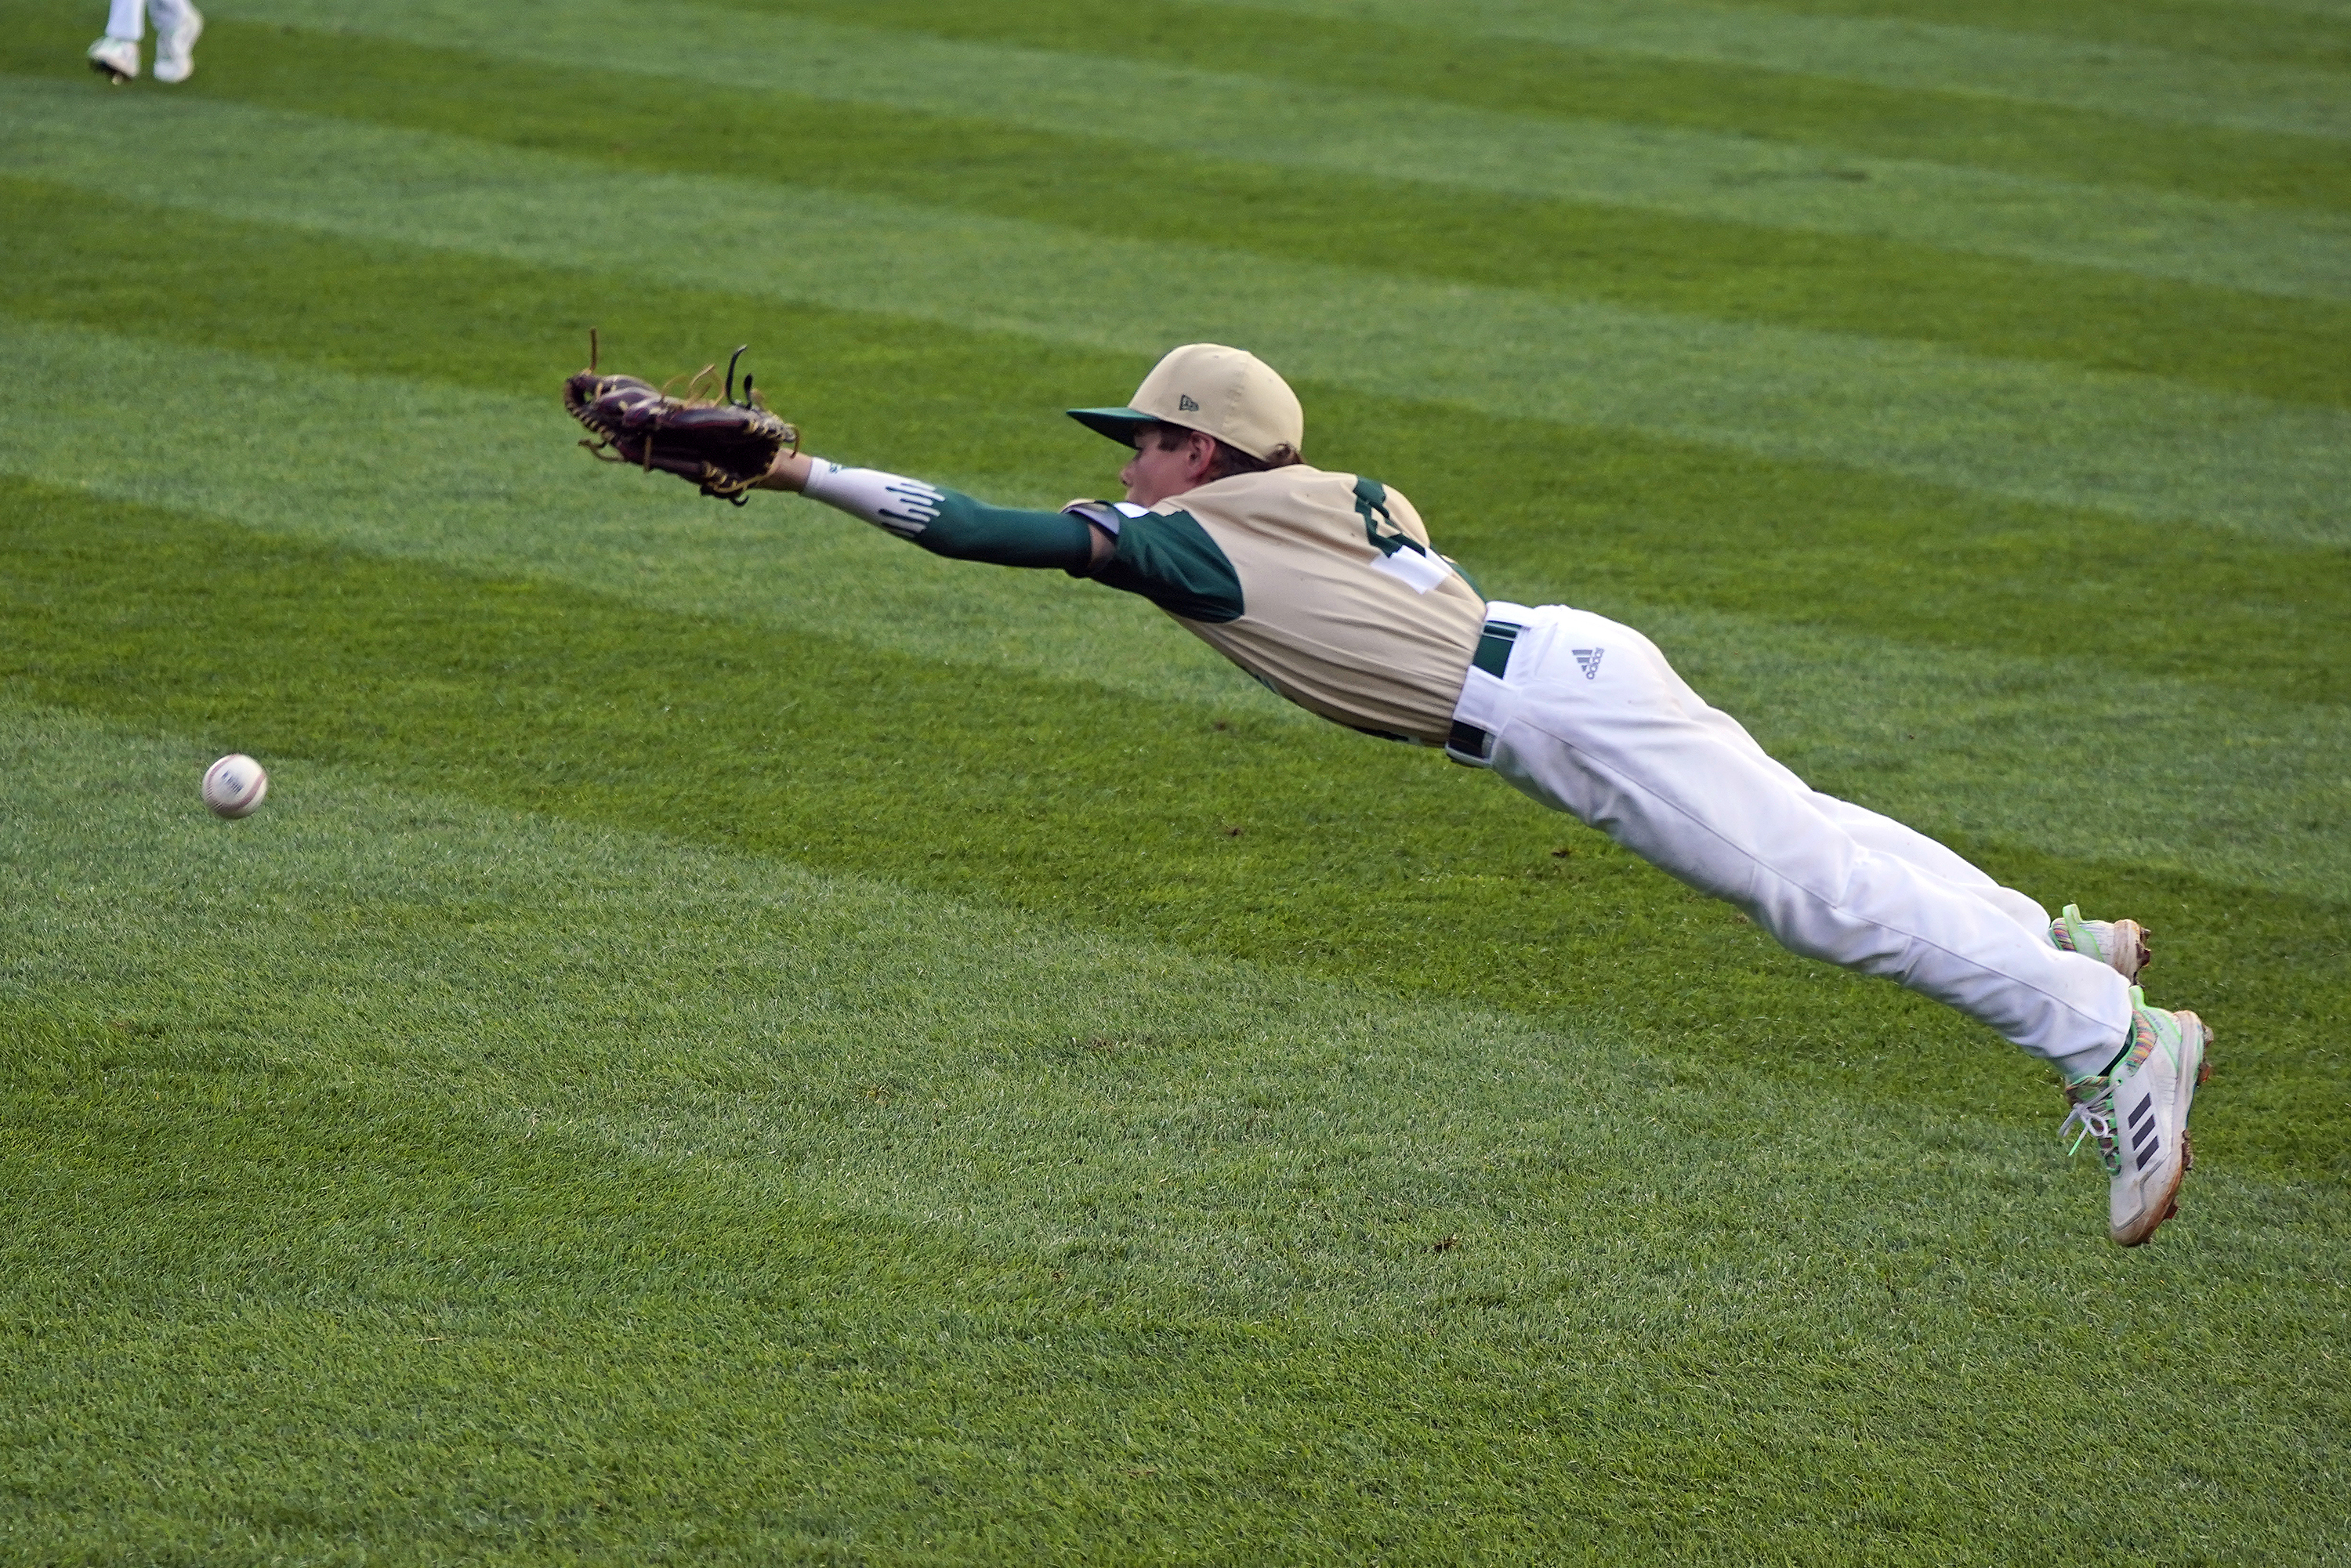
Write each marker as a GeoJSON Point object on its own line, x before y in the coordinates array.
{"type": "Point", "coordinates": [944, 522]}
{"type": "Point", "coordinates": [729, 446]}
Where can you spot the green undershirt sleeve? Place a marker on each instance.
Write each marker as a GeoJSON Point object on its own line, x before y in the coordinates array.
{"type": "Point", "coordinates": [967, 530]}
{"type": "Point", "coordinates": [1167, 558]}
{"type": "Point", "coordinates": [950, 522]}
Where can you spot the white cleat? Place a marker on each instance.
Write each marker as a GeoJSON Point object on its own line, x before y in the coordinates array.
{"type": "Point", "coordinates": [2121, 945]}
{"type": "Point", "coordinates": [2137, 1112]}
{"type": "Point", "coordinates": [116, 59]}
{"type": "Point", "coordinates": [175, 49]}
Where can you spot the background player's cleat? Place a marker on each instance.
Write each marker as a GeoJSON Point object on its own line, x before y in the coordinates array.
{"type": "Point", "coordinates": [116, 59]}
{"type": "Point", "coordinates": [175, 49]}
{"type": "Point", "coordinates": [2137, 1112]}
{"type": "Point", "coordinates": [2122, 945]}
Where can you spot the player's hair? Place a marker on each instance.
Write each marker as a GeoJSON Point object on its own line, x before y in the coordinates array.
{"type": "Point", "coordinates": [1229, 460]}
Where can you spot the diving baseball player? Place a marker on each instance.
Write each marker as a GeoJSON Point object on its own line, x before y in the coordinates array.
{"type": "Point", "coordinates": [1325, 587]}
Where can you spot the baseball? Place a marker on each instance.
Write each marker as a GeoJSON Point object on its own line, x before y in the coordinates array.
{"type": "Point", "coordinates": [234, 785]}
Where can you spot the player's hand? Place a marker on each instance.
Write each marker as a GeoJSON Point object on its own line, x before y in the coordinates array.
{"type": "Point", "coordinates": [724, 445]}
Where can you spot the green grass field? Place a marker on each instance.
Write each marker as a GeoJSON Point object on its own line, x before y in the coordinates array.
{"type": "Point", "coordinates": [736, 1040]}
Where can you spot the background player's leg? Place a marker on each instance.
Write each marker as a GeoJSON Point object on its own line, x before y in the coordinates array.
{"type": "Point", "coordinates": [1611, 740]}
{"type": "Point", "coordinates": [177, 25]}
{"type": "Point", "coordinates": [115, 54]}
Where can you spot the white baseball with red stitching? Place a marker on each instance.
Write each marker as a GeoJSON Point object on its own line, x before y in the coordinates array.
{"type": "Point", "coordinates": [236, 786]}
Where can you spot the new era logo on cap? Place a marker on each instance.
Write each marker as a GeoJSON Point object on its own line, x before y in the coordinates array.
{"type": "Point", "coordinates": [1225, 392]}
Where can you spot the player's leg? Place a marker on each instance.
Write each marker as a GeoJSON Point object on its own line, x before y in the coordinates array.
{"type": "Point", "coordinates": [1881, 834]}
{"type": "Point", "coordinates": [1888, 837]}
{"type": "Point", "coordinates": [116, 53]}
{"type": "Point", "coordinates": [2121, 945]}
{"type": "Point", "coordinates": [1590, 718]}
{"type": "Point", "coordinates": [177, 25]}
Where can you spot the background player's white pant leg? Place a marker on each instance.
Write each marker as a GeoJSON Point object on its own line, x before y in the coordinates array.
{"type": "Point", "coordinates": [1607, 737]}
{"type": "Point", "coordinates": [127, 19]}
{"type": "Point", "coordinates": [166, 15]}
{"type": "Point", "coordinates": [1883, 834]}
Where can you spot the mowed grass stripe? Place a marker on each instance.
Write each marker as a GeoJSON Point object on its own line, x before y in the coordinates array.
{"type": "Point", "coordinates": [2136, 446]}
{"type": "Point", "coordinates": [2166, 85]}
{"type": "Point", "coordinates": [528, 1191]}
{"type": "Point", "coordinates": [1617, 522]}
{"type": "Point", "coordinates": [1428, 62]}
{"type": "Point", "coordinates": [1310, 848]}
{"type": "Point", "coordinates": [1536, 508]}
{"type": "Point", "coordinates": [2290, 32]}
{"type": "Point", "coordinates": [2299, 349]}
{"type": "Point", "coordinates": [2270, 347]}
{"type": "Point", "coordinates": [2219, 763]}
{"type": "Point", "coordinates": [493, 481]}
{"type": "Point", "coordinates": [1977, 741]}
{"type": "Point", "coordinates": [1312, 125]}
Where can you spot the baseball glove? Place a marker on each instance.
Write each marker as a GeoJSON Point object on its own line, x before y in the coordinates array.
{"type": "Point", "coordinates": [721, 445]}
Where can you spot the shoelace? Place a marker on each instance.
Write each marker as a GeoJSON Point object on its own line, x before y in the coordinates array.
{"type": "Point", "coordinates": [2094, 1115]}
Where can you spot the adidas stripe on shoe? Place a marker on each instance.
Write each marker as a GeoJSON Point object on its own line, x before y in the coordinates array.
{"type": "Point", "coordinates": [2136, 1110]}
{"type": "Point", "coordinates": [2121, 945]}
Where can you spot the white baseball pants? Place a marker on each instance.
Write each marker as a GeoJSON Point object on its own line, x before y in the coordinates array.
{"type": "Point", "coordinates": [1590, 719]}
{"type": "Point", "coordinates": [126, 18]}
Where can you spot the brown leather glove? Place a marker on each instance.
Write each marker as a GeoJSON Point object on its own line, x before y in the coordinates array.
{"type": "Point", "coordinates": [723, 445]}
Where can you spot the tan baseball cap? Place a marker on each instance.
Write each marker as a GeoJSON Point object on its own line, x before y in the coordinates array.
{"type": "Point", "coordinates": [1223, 393]}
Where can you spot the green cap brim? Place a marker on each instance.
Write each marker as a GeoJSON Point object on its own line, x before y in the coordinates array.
{"type": "Point", "coordinates": [1119, 425]}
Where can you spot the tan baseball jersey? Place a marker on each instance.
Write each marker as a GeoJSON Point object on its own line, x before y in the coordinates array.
{"type": "Point", "coordinates": [1323, 586]}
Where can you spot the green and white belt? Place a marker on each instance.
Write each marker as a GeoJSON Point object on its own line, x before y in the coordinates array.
{"type": "Point", "coordinates": [1467, 744]}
